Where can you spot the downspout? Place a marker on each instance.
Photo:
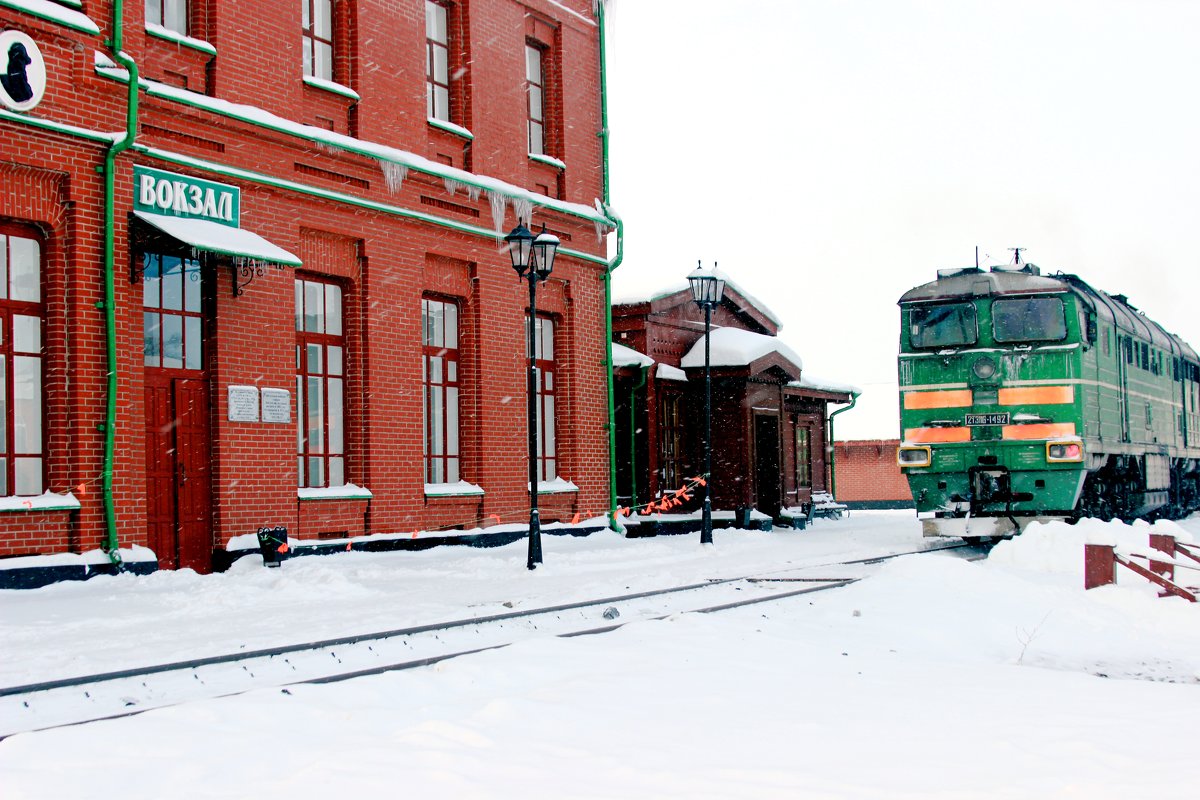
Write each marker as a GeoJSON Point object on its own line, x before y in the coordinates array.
{"type": "Point", "coordinates": [108, 304]}
{"type": "Point", "coordinates": [833, 446]}
{"type": "Point", "coordinates": [645, 371]}
{"type": "Point", "coordinates": [616, 262]}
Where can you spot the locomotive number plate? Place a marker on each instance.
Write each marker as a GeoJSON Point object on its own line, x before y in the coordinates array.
{"type": "Point", "coordinates": [987, 419]}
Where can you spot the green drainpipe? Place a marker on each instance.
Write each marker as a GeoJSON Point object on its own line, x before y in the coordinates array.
{"type": "Point", "coordinates": [111, 544]}
{"type": "Point", "coordinates": [645, 371]}
{"type": "Point", "coordinates": [833, 446]}
{"type": "Point", "coordinates": [616, 262]}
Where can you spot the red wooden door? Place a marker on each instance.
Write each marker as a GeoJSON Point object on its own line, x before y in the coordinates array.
{"type": "Point", "coordinates": [160, 472]}
{"type": "Point", "coordinates": [178, 478]}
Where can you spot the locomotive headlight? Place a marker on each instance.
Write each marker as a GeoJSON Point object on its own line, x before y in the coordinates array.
{"type": "Point", "coordinates": [913, 456]}
{"type": "Point", "coordinates": [984, 368]}
{"type": "Point", "coordinates": [1064, 452]}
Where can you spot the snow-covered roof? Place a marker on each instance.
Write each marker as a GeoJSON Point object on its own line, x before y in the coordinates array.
{"type": "Point", "coordinates": [809, 382]}
{"type": "Point", "coordinates": [734, 347]}
{"type": "Point", "coordinates": [637, 298]}
{"type": "Point", "coordinates": [623, 356]}
{"type": "Point", "coordinates": [666, 372]}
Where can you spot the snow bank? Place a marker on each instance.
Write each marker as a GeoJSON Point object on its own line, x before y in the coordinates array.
{"type": "Point", "coordinates": [1056, 547]}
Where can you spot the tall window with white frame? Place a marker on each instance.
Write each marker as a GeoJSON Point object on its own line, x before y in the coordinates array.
{"type": "Point", "coordinates": [320, 384]}
{"type": "Point", "coordinates": [440, 376]}
{"type": "Point", "coordinates": [546, 383]}
{"type": "Point", "coordinates": [437, 60]}
{"type": "Point", "coordinates": [535, 87]}
{"type": "Point", "coordinates": [22, 317]}
{"type": "Point", "coordinates": [170, 14]}
{"type": "Point", "coordinates": [317, 38]}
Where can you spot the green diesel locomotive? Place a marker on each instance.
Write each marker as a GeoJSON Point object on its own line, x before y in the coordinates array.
{"type": "Point", "coordinates": [1025, 396]}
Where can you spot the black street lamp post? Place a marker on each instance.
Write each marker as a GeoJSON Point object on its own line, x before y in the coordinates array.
{"type": "Point", "coordinates": [708, 287]}
{"type": "Point", "coordinates": [533, 259]}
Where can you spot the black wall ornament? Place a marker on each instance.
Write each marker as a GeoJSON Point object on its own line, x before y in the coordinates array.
{"type": "Point", "coordinates": [22, 71]}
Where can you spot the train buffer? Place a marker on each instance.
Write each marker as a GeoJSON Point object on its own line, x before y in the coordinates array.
{"type": "Point", "coordinates": [1166, 556]}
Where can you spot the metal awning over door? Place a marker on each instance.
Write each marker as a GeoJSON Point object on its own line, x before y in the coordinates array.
{"type": "Point", "coordinates": [213, 237]}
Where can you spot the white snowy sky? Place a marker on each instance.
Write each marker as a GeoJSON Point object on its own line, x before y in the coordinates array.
{"type": "Point", "coordinates": [831, 155]}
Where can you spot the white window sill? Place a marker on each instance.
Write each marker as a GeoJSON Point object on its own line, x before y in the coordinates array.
{"type": "Point", "coordinates": [44, 502]}
{"type": "Point", "coordinates": [160, 32]}
{"type": "Point", "coordinates": [347, 492]}
{"type": "Point", "coordinates": [556, 486]}
{"type": "Point", "coordinates": [55, 13]}
{"type": "Point", "coordinates": [331, 87]}
{"type": "Point", "coordinates": [450, 127]}
{"type": "Point", "coordinates": [548, 160]}
{"type": "Point", "coordinates": [459, 489]}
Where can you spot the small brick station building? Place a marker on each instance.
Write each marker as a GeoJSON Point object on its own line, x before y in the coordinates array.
{"type": "Point", "coordinates": [770, 422]}
{"type": "Point", "coordinates": [868, 475]}
{"type": "Point", "coordinates": [268, 287]}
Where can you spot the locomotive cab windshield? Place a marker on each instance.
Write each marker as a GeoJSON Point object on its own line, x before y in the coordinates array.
{"type": "Point", "coordinates": [949, 325]}
{"type": "Point", "coordinates": [1028, 319]}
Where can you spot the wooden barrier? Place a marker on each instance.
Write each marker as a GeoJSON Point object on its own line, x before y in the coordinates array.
{"type": "Point", "coordinates": [1100, 562]}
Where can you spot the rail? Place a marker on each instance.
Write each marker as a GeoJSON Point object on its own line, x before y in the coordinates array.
{"type": "Point", "coordinates": [127, 692]}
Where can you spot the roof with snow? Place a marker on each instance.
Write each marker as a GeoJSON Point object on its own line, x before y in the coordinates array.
{"type": "Point", "coordinates": [820, 384]}
{"type": "Point", "coordinates": [635, 298]}
{"type": "Point", "coordinates": [623, 356]}
{"type": "Point", "coordinates": [734, 347]}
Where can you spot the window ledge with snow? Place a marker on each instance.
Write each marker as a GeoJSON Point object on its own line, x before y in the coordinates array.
{"type": "Point", "coordinates": [331, 87]}
{"type": "Point", "coordinates": [44, 502]}
{"type": "Point", "coordinates": [346, 492]}
{"type": "Point", "coordinates": [556, 486]}
{"type": "Point", "coordinates": [158, 31]}
{"type": "Point", "coordinates": [450, 127]}
{"type": "Point", "coordinates": [548, 160]}
{"type": "Point", "coordinates": [457, 489]}
{"type": "Point", "coordinates": [55, 12]}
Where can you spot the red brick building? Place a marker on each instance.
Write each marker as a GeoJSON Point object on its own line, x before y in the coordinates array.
{"type": "Point", "coordinates": [868, 476]}
{"type": "Point", "coordinates": [265, 283]}
{"type": "Point", "coordinates": [770, 422]}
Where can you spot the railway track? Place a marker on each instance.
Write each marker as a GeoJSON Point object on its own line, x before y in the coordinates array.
{"type": "Point", "coordinates": [109, 695]}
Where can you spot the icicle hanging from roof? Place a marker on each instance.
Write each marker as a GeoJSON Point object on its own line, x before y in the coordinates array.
{"type": "Point", "coordinates": [523, 208]}
{"type": "Point", "coordinates": [498, 202]}
{"type": "Point", "coordinates": [395, 175]}
{"type": "Point", "coordinates": [454, 186]}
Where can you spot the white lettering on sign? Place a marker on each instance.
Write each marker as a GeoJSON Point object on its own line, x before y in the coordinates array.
{"type": "Point", "coordinates": [184, 198]}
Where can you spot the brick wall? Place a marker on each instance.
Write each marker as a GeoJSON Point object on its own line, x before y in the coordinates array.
{"type": "Point", "coordinates": [867, 474]}
{"type": "Point", "coordinates": [383, 245]}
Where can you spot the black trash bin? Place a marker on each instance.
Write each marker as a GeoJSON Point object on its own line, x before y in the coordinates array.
{"type": "Point", "coordinates": [272, 542]}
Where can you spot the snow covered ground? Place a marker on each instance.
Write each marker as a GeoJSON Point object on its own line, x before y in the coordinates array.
{"type": "Point", "coordinates": [933, 678]}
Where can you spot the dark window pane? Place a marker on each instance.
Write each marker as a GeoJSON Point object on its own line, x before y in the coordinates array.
{"type": "Point", "coordinates": [943, 326]}
{"type": "Point", "coordinates": [1030, 319]}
